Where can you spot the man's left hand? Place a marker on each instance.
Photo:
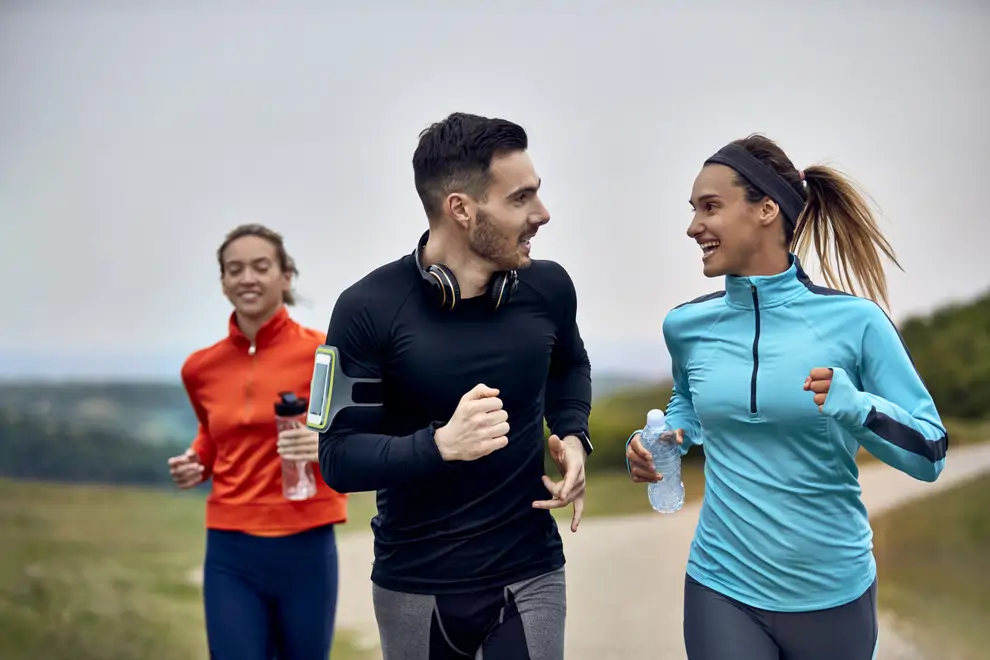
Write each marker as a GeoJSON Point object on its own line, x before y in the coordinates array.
{"type": "Point", "coordinates": [569, 456]}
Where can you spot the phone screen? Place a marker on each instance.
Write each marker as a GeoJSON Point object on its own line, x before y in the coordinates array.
{"type": "Point", "coordinates": [318, 395]}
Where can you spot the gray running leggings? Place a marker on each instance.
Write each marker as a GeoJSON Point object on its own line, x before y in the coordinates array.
{"type": "Point", "coordinates": [719, 628]}
{"type": "Point", "coordinates": [522, 621]}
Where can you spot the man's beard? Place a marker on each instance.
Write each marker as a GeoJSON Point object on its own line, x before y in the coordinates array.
{"type": "Point", "coordinates": [488, 243]}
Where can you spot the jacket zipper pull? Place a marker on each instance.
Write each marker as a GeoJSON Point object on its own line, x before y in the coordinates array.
{"type": "Point", "coordinates": [252, 349]}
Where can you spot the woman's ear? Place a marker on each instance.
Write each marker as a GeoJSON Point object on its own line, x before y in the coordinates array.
{"type": "Point", "coordinates": [769, 211]}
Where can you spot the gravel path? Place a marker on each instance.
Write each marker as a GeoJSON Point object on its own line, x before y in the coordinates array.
{"type": "Point", "coordinates": [605, 621]}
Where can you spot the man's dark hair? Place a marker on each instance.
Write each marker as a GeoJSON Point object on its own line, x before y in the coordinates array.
{"type": "Point", "coordinates": [455, 154]}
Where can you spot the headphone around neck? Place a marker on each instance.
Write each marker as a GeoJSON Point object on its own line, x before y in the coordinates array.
{"type": "Point", "coordinates": [447, 292]}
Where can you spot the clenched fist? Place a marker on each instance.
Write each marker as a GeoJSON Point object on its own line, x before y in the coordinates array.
{"type": "Point", "coordinates": [478, 426]}
{"type": "Point", "coordinates": [819, 381]}
{"type": "Point", "coordinates": [186, 469]}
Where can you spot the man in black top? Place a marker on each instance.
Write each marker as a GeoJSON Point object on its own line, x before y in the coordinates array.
{"type": "Point", "coordinates": [475, 344]}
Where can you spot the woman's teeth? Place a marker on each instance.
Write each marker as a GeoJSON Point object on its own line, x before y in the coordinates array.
{"type": "Point", "coordinates": [708, 249]}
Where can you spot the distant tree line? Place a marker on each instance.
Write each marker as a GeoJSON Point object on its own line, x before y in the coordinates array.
{"type": "Point", "coordinates": [129, 408]}
{"type": "Point", "coordinates": [36, 449]}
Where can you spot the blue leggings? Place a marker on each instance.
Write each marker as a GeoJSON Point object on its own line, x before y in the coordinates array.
{"type": "Point", "coordinates": [270, 597]}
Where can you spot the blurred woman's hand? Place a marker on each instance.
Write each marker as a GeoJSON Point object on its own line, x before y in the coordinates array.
{"type": "Point", "coordinates": [299, 444]}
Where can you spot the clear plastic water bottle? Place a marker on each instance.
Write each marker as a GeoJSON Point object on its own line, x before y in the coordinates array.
{"type": "Point", "coordinates": [298, 480]}
{"type": "Point", "coordinates": [667, 495]}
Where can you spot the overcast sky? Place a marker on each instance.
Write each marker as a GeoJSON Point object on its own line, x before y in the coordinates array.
{"type": "Point", "coordinates": [133, 135]}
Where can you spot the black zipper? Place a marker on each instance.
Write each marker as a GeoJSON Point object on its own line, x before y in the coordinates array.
{"type": "Point", "coordinates": [756, 352]}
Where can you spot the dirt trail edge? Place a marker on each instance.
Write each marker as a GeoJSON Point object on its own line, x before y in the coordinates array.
{"type": "Point", "coordinates": [625, 575]}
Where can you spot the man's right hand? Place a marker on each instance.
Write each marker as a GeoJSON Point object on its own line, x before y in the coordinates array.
{"type": "Point", "coordinates": [478, 427]}
{"type": "Point", "coordinates": [641, 467]}
{"type": "Point", "coordinates": [186, 469]}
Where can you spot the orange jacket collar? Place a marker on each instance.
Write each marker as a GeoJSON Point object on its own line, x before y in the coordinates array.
{"type": "Point", "coordinates": [266, 333]}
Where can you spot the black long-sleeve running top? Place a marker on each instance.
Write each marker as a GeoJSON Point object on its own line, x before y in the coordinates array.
{"type": "Point", "coordinates": [456, 527]}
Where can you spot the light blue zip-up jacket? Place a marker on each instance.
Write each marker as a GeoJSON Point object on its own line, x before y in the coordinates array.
{"type": "Point", "coordinates": [782, 525]}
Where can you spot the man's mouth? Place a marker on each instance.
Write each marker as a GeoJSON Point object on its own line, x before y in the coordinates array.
{"type": "Point", "coordinates": [708, 249]}
{"type": "Point", "coordinates": [526, 244]}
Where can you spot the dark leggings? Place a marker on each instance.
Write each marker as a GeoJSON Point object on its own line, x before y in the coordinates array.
{"type": "Point", "coordinates": [717, 627]}
{"type": "Point", "coordinates": [522, 621]}
{"type": "Point", "coordinates": [270, 597]}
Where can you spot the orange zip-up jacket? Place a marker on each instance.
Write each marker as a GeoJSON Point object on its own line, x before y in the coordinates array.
{"type": "Point", "coordinates": [233, 386]}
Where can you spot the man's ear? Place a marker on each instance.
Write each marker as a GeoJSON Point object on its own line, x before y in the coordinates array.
{"type": "Point", "coordinates": [461, 208]}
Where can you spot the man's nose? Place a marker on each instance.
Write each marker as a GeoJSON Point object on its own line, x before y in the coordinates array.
{"type": "Point", "coordinates": [542, 215]}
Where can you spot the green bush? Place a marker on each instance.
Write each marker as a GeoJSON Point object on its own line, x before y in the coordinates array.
{"type": "Point", "coordinates": [951, 349]}
{"type": "Point", "coordinates": [966, 432]}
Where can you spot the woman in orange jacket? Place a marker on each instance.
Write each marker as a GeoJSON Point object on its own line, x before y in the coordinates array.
{"type": "Point", "coordinates": [270, 574]}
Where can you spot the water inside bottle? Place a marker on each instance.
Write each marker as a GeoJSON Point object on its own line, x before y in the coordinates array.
{"type": "Point", "coordinates": [298, 478]}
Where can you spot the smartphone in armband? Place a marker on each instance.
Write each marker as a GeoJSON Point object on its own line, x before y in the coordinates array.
{"type": "Point", "coordinates": [331, 390]}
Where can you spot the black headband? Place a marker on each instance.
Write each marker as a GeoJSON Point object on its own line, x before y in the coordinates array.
{"type": "Point", "coordinates": [763, 179]}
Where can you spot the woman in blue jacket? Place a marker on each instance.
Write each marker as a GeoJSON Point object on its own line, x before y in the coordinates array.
{"type": "Point", "coordinates": [783, 381]}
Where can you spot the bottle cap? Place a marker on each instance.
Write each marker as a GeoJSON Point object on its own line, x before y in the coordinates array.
{"type": "Point", "coordinates": [290, 405]}
{"type": "Point", "coordinates": [655, 418]}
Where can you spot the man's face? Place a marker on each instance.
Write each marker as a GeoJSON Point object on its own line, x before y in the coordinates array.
{"type": "Point", "coordinates": [509, 218]}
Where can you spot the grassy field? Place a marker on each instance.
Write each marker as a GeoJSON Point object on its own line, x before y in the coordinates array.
{"type": "Point", "coordinates": [103, 573]}
{"type": "Point", "coordinates": [933, 559]}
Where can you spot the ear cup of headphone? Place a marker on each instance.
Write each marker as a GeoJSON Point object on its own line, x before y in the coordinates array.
{"type": "Point", "coordinates": [502, 286]}
{"type": "Point", "coordinates": [447, 292]}
{"type": "Point", "coordinates": [445, 285]}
